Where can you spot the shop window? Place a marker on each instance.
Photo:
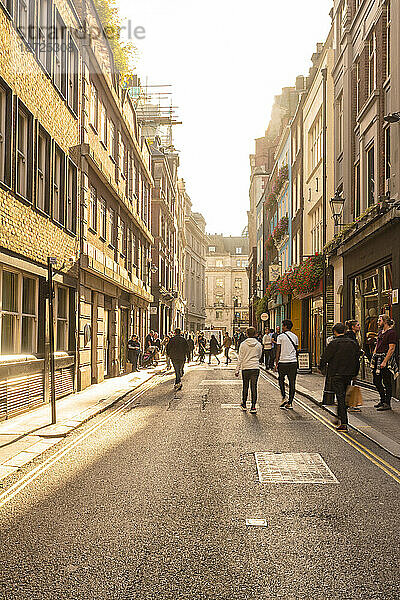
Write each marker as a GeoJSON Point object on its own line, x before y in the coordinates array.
{"type": "Point", "coordinates": [72, 197]}
{"type": "Point", "coordinates": [42, 171]}
{"type": "Point", "coordinates": [18, 315]}
{"type": "Point", "coordinates": [62, 309]}
{"type": "Point", "coordinates": [5, 133]}
{"type": "Point", "coordinates": [58, 185]}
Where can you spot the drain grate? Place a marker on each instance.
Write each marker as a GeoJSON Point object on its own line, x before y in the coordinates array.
{"type": "Point", "coordinates": [293, 467]}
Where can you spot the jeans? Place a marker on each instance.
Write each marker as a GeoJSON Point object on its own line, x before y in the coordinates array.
{"type": "Point", "coordinates": [250, 376]}
{"type": "Point", "coordinates": [269, 358]}
{"type": "Point", "coordinates": [211, 354]}
{"type": "Point", "coordinates": [178, 366]}
{"type": "Point", "coordinates": [383, 383]}
{"type": "Point", "coordinates": [135, 358]}
{"type": "Point", "coordinates": [228, 360]}
{"type": "Point", "coordinates": [289, 369]}
{"type": "Point", "coordinates": [339, 386]}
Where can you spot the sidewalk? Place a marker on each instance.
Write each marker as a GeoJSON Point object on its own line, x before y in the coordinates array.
{"type": "Point", "coordinates": [26, 436]}
{"type": "Point", "coordinates": [383, 428]}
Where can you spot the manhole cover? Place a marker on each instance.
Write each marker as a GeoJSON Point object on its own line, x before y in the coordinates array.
{"type": "Point", "coordinates": [293, 467]}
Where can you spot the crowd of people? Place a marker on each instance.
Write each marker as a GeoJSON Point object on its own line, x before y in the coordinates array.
{"type": "Point", "coordinates": [277, 349]}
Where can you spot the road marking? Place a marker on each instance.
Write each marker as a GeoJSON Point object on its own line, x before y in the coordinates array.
{"type": "Point", "coordinates": [220, 382]}
{"type": "Point", "coordinates": [230, 406]}
{"type": "Point", "coordinates": [17, 487]}
{"type": "Point", "coordinates": [369, 454]}
{"type": "Point", "coordinates": [256, 522]}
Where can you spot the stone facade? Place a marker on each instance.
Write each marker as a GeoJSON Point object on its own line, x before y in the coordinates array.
{"type": "Point", "coordinates": [195, 265]}
{"type": "Point", "coordinates": [227, 283]}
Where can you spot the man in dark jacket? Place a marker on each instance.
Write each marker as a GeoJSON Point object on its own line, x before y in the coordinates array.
{"type": "Point", "coordinates": [342, 358]}
{"type": "Point", "coordinates": [178, 350]}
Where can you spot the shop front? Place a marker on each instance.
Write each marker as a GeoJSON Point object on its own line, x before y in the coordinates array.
{"type": "Point", "coordinates": [371, 286]}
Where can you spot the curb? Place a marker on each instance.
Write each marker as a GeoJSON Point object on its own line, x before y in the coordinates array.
{"type": "Point", "coordinates": [380, 439]}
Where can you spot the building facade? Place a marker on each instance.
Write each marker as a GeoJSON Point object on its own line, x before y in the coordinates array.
{"type": "Point", "coordinates": [114, 286]}
{"type": "Point", "coordinates": [39, 214]}
{"type": "Point", "coordinates": [195, 265]}
{"type": "Point", "coordinates": [367, 163]}
{"type": "Point", "coordinates": [165, 171]}
{"type": "Point", "coordinates": [227, 283]}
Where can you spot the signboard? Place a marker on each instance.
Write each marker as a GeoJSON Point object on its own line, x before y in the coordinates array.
{"type": "Point", "coordinates": [264, 317]}
{"type": "Point", "coordinates": [153, 310]}
{"type": "Point", "coordinates": [274, 272]}
{"type": "Point", "coordinates": [395, 296]}
{"type": "Point", "coordinates": [304, 362]}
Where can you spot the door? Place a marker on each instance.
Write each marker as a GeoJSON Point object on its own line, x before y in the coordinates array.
{"type": "Point", "coordinates": [106, 342]}
{"type": "Point", "coordinates": [123, 339]}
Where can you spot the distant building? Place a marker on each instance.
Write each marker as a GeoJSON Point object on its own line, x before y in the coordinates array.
{"type": "Point", "coordinates": [227, 283]}
{"type": "Point", "coordinates": [195, 264]}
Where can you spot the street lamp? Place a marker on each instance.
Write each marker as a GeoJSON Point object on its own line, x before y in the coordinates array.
{"type": "Point", "coordinates": [337, 205]}
{"type": "Point", "coordinates": [392, 117]}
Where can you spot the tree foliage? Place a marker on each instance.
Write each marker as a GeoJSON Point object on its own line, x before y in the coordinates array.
{"type": "Point", "coordinates": [125, 52]}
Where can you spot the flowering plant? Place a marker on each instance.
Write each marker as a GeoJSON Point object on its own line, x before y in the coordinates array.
{"type": "Point", "coordinates": [272, 289]}
{"type": "Point", "coordinates": [286, 282]}
{"type": "Point", "coordinates": [277, 184]}
{"type": "Point", "coordinates": [281, 229]}
{"type": "Point", "coordinates": [269, 242]}
{"type": "Point", "coordinates": [308, 275]}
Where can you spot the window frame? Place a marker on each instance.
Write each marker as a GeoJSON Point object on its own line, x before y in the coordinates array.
{"type": "Point", "coordinates": [93, 204]}
{"type": "Point", "coordinates": [45, 174]}
{"type": "Point", "coordinates": [6, 110]}
{"type": "Point", "coordinates": [58, 186]}
{"type": "Point", "coordinates": [71, 202]}
{"type": "Point", "coordinates": [43, 39]}
{"type": "Point", "coordinates": [60, 41]}
{"type": "Point", "coordinates": [19, 314]}
{"type": "Point", "coordinates": [64, 321]}
{"type": "Point", "coordinates": [72, 75]}
{"type": "Point", "coordinates": [18, 155]}
{"type": "Point", "coordinates": [370, 191]}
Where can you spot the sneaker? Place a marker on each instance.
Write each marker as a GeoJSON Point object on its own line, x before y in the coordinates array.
{"type": "Point", "coordinates": [253, 411]}
{"type": "Point", "coordinates": [243, 407]}
{"type": "Point", "coordinates": [284, 404]}
{"type": "Point", "coordinates": [176, 386]}
{"type": "Point", "coordinates": [180, 386]}
{"type": "Point", "coordinates": [289, 405]}
{"type": "Point", "coordinates": [379, 404]}
{"type": "Point", "coordinates": [354, 409]}
{"type": "Point", "coordinates": [384, 407]}
{"type": "Point", "coordinates": [341, 428]}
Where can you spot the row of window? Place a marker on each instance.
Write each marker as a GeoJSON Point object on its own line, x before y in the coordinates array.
{"type": "Point", "coordinates": [126, 167]}
{"type": "Point", "coordinates": [33, 164]}
{"type": "Point", "coordinates": [40, 25]}
{"type": "Point", "coordinates": [19, 301]}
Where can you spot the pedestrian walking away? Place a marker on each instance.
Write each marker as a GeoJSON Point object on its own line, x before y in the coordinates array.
{"type": "Point", "coordinates": [134, 352]}
{"type": "Point", "coordinates": [190, 342]}
{"type": "Point", "coordinates": [178, 351]}
{"type": "Point", "coordinates": [286, 361]}
{"type": "Point", "coordinates": [249, 355]}
{"type": "Point", "coordinates": [227, 343]}
{"type": "Point", "coordinates": [215, 349]}
{"type": "Point", "coordinates": [201, 342]}
{"type": "Point", "coordinates": [383, 362]}
{"type": "Point", "coordinates": [267, 349]}
{"type": "Point", "coordinates": [341, 357]}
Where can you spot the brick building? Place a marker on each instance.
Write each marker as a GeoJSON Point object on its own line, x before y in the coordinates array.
{"type": "Point", "coordinates": [39, 182]}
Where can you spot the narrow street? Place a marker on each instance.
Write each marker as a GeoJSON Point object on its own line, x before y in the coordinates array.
{"type": "Point", "coordinates": [150, 500]}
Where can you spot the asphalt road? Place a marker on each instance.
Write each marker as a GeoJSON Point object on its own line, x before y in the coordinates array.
{"type": "Point", "coordinates": [153, 504]}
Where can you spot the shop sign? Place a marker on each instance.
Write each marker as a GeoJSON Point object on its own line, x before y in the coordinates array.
{"type": "Point", "coordinates": [304, 362]}
{"type": "Point", "coordinates": [395, 296]}
{"type": "Point", "coordinates": [264, 317]}
{"type": "Point", "coordinates": [274, 272]}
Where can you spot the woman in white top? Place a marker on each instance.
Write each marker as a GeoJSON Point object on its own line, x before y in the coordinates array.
{"type": "Point", "coordinates": [286, 361]}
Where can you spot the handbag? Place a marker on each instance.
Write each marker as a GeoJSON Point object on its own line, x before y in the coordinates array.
{"type": "Point", "coordinates": [353, 396]}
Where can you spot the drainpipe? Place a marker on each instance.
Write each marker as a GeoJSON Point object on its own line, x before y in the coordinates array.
{"type": "Point", "coordinates": [324, 221]}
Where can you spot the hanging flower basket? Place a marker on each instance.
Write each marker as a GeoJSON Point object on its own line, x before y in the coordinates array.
{"type": "Point", "coordinates": [276, 187]}
{"type": "Point", "coordinates": [281, 229]}
{"type": "Point", "coordinates": [308, 275]}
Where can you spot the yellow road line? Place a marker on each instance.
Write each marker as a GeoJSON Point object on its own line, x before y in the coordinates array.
{"type": "Point", "coordinates": [17, 487]}
{"type": "Point", "coordinates": [371, 456]}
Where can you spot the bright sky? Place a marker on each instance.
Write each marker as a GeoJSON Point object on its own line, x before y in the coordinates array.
{"type": "Point", "coordinates": [226, 61]}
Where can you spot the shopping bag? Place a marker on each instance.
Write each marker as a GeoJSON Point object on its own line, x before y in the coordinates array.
{"type": "Point", "coordinates": [353, 396]}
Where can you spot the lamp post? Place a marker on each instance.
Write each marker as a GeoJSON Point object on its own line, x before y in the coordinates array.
{"type": "Point", "coordinates": [50, 262]}
{"type": "Point", "coordinates": [337, 205]}
{"type": "Point", "coordinates": [392, 117]}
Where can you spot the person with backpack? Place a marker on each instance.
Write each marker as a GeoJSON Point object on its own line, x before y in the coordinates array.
{"type": "Point", "coordinates": [342, 358]}
{"type": "Point", "coordinates": [286, 361]}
